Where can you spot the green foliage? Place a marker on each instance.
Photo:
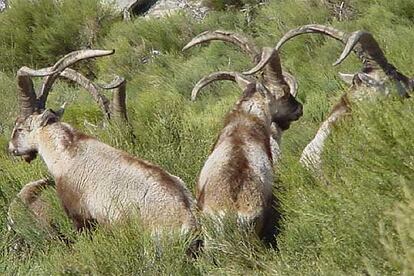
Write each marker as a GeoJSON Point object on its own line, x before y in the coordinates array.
{"type": "Point", "coordinates": [221, 5]}
{"type": "Point", "coordinates": [37, 32]}
{"type": "Point", "coordinates": [353, 218]}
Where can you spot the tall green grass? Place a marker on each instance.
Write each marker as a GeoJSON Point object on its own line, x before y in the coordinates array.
{"type": "Point", "coordinates": [354, 218]}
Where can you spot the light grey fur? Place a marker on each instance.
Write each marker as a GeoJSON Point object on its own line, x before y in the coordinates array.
{"type": "Point", "coordinates": [97, 182]}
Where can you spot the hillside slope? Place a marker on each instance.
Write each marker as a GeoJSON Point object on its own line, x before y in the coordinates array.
{"type": "Point", "coordinates": [355, 218]}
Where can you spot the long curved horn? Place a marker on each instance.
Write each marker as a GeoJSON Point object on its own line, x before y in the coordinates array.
{"type": "Point", "coordinates": [313, 28]}
{"type": "Point", "coordinates": [62, 64]}
{"type": "Point", "coordinates": [25, 89]}
{"type": "Point", "coordinates": [239, 40]}
{"type": "Point", "coordinates": [115, 83]}
{"type": "Point", "coordinates": [222, 75]}
{"type": "Point", "coordinates": [292, 82]}
{"type": "Point", "coordinates": [273, 74]}
{"type": "Point", "coordinates": [367, 49]}
{"type": "Point", "coordinates": [266, 55]}
{"type": "Point", "coordinates": [89, 86]}
{"type": "Point", "coordinates": [30, 192]}
{"type": "Point", "coordinates": [266, 62]}
{"type": "Point", "coordinates": [362, 43]}
{"type": "Point", "coordinates": [261, 59]}
{"type": "Point", "coordinates": [118, 104]}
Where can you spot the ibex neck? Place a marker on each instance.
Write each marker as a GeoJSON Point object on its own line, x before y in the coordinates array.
{"type": "Point", "coordinates": [255, 108]}
{"type": "Point", "coordinates": [58, 145]}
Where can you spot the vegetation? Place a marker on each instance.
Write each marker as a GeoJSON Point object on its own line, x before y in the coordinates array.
{"type": "Point", "coordinates": [354, 218]}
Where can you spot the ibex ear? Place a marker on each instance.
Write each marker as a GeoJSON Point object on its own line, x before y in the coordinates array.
{"type": "Point", "coordinates": [47, 117]}
{"type": "Point", "coordinates": [292, 83]}
{"type": "Point", "coordinates": [348, 78]}
{"type": "Point", "coordinates": [61, 110]}
{"type": "Point", "coordinates": [368, 80]}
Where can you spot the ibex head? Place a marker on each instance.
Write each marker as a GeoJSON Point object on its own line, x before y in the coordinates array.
{"type": "Point", "coordinates": [376, 75]}
{"type": "Point", "coordinates": [33, 113]}
{"type": "Point", "coordinates": [23, 139]}
{"type": "Point", "coordinates": [278, 89]}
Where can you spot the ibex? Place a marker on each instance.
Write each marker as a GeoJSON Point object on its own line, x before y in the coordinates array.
{"type": "Point", "coordinates": [259, 58]}
{"type": "Point", "coordinates": [95, 182]}
{"type": "Point", "coordinates": [376, 76]}
{"type": "Point", "coordinates": [238, 174]}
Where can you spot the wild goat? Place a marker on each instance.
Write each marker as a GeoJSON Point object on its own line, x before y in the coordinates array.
{"type": "Point", "coordinates": [95, 182]}
{"type": "Point", "coordinates": [259, 58]}
{"type": "Point", "coordinates": [238, 174]}
{"type": "Point", "coordinates": [376, 76]}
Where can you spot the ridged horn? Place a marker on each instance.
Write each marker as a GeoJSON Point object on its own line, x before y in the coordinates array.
{"type": "Point", "coordinates": [362, 43]}
{"type": "Point", "coordinates": [237, 39]}
{"type": "Point", "coordinates": [273, 75]}
{"type": "Point", "coordinates": [118, 104]}
{"type": "Point", "coordinates": [217, 76]}
{"type": "Point", "coordinates": [89, 86]}
{"type": "Point", "coordinates": [26, 93]}
{"type": "Point", "coordinates": [62, 64]}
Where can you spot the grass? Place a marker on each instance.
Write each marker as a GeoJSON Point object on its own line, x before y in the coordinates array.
{"type": "Point", "coordinates": [355, 218]}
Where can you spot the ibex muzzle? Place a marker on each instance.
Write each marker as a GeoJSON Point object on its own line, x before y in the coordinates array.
{"type": "Point", "coordinates": [289, 110]}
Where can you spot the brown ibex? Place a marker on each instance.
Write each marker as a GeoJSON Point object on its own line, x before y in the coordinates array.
{"type": "Point", "coordinates": [375, 77]}
{"type": "Point", "coordinates": [95, 182]}
{"type": "Point", "coordinates": [238, 174]}
{"type": "Point", "coordinates": [259, 58]}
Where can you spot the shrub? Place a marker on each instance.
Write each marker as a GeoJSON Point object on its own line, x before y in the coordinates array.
{"type": "Point", "coordinates": [36, 33]}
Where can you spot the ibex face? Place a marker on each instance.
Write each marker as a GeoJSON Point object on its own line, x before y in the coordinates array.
{"type": "Point", "coordinates": [376, 75]}
{"type": "Point", "coordinates": [288, 109]}
{"type": "Point", "coordinates": [33, 103]}
{"type": "Point", "coordinates": [23, 139]}
{"type": "Point", "coordinates": [365, 86]}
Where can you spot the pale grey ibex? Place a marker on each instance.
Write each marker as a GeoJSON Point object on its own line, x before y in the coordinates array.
{"type": "Point", "coordinates": [238, 174]}
{"type": "Point", "coordinates": [375, 77]}
{"type": "Point", "coordinates": [95, 182]}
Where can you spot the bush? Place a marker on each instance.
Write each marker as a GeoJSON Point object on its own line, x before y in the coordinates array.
{"type": "Point", "coordinates": [37, 33]}
{"type": "Point", "coordinates": [352, 219]}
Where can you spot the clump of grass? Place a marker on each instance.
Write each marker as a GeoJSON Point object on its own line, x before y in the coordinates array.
{"type": "Point", "coordinates": [352, 219]}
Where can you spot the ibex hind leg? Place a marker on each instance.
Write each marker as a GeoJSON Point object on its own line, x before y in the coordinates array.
{"type": "Point", "coordinates": [264, 224]}
{"type": "Point", "coordinates": [251, 222]}
{"type": "Point", "coordinates": [271, 226]}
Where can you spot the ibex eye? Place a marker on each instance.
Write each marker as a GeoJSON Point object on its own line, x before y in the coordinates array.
{"type": "Point", "coordinates": [19, 130]}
